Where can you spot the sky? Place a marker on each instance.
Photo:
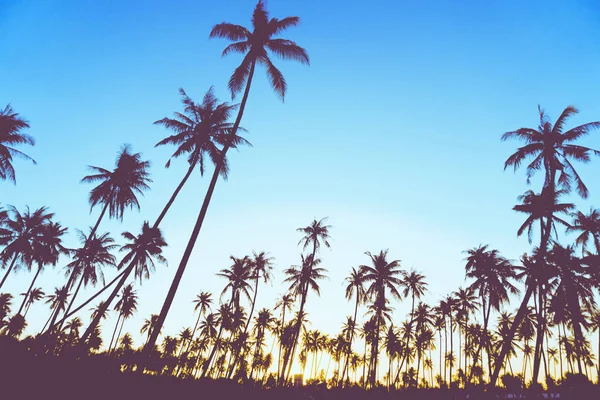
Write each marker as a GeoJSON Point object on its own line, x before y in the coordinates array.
{"type": "Point", "coordinates": [393, 132]}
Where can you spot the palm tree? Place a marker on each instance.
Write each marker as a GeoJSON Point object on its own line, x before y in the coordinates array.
{"type": "Point", "coordinates": [595, 326]}
{"type": "Point", "coordinates": [301, 279]}
{"type": "Point", "coordinates": [315, 234]}
{"type": "Point", "coordinates": [415, 287]}
{"type": "Point", "coordinates": [5, 304]}
{"type": "Point", "coordinates": [36, 294]}
{"type": "Point", "coordinates": [261, 266]}
{"type": "Point", "coordinates": [380, 275]}
{"type": "Point", "coordinates": [88, 262]}
{"type": "Point", "coordinates": [126, 306]}
{"type": "Point", "coordinates": [466, 304]}
{"type": "Point", "coordinates": [198, 130]}
{"type": "Point", "coordinates": [11, 126]}
{"type": "Point", "coordinates": [142, 251]}
{"type": "Point", "coordinates": [493, 275]}
{"type": "Point", "coordinates": [57, 301]}
{"type": "Point", "coordinates": [589, 226]}
{"type": "Point", "coordinates": [149, 325]}
{"type": "Point", "coordinates": [46, 249]}
{"type": "Point", "coordinates": [116, 191]}
{"type": "Point", "coordinates": [255, 44]}
{"type": "Point", "coordinates": [285, 302]}
{"type": "Point", "coordinates": [20, 232]}
{"type": "Point", "coordinates": [203, 302]}
{"type": "Point", "coordinates": [355, 288]}
{"type": "Point", "coordinates": [553, 150]}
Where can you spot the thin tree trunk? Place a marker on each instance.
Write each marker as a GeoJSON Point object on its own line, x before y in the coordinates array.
{"type": "Point", "coordinates": [163, 213]}
{"type": "Point", "coordinates": [114, 332]}
{"type": "Point", "coordinates": [190, 246]}
{"type": "Point", "coordinates": [349, 352]}
{"type": "Point", "coordinates": [30, 287]}
{"type": "Point", "coordinates": [12, 265]}
{"type": "Point", "coordinates": [238, 351]}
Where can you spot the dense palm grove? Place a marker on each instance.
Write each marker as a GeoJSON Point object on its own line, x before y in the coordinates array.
{"type": "Point", "coordinates": [515, 323]}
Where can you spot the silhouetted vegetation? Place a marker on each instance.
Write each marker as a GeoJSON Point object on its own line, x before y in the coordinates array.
{"type": "Point", "coordinates": [464, 344]}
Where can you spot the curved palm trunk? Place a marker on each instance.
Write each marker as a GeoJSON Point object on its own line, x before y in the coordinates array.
{"type": "Point", "coordinates": [174, 195]}
{"type": "Point", "coordinates": [30, 287]}
{"type": "Point", "coordinates": [55, 314]}
{"type": "Point", "coordinates": [279, 354]}
{"type": "Point", "coordinates": [190, 246]}
{"type": "Point", "coordinates": [12, 265]}
{"type": "Point", "coordinates": [451, 354]}
{"type": "Point", "coordinates": [349, 351]}
{"type": "Point", "coordinates": [194, 331]}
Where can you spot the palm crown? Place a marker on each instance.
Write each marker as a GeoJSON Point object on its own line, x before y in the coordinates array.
{"type": "Point", "coordinates": [11, 126]}
{"type": "Point", "coordinates": [254, 44]}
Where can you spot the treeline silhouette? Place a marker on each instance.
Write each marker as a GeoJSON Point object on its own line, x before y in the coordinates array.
{"type": "Point", "coordinates": [231, 343]}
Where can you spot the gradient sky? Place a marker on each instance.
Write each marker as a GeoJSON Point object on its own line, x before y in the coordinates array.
{"type": "Point", "coordinates": [393, 132]}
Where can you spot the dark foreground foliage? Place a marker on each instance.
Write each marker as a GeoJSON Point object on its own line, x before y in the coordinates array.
{"type": "Point", "coordinates": [26, 373]}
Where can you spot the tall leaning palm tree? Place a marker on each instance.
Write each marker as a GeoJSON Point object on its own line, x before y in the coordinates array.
{"type": "Point", "coordinates": [198, 132]}
{"type": "Point", "coordinates": [11, 127]}
{"type": "Point", "coordinates": [381, 274]}
{"type": "Point", "coordinates": [116, 191]}
{"type": "Point", "coordinates": [549, 148]}
{"type": "Point", "coordinates": [254, 44]}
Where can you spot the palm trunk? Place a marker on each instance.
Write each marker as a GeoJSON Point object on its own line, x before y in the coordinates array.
{"type": "Point", "coordinates": [190, 246]}
{"type": "Point", "coordinates": [349, 351]}
{"type": "Point", "coordinates": [289, 358]}
{"type": "Point", "coordinates": [119, 334]}
{"type": "Point", "coordinates": [30, 287]}
{"type": "Point", "coordinates": [451, 353]}
{"type": "Point", "coordinates": [238, 351]}
{"type": "Point", "coordinates": [12, 265]}
{"type": "Point", "coordinates": [114, 332]}
{"type": "Point", "coordinates": [194, 331]}
{"type": "Point", "coordinates": [174, 195]}
{"type": "Point", "coordinates": [279, 354]}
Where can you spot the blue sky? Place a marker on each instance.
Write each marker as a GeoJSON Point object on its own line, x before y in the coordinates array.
{"type": "Point", "coordinates": [393, 132]}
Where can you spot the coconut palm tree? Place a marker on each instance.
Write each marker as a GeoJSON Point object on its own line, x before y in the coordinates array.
{"type": "Point", "coordinates": [589, 226]}
{"type": "Point", "coordinates": [5, 304]}
{"type": "Point", "coordinates": [141, 253]}
{"type": "Point", "coordinates": [466, 304]}
{"type": "Point", "coordinates": [149, 325]}
{"type": "Point", "coordinates": [415, 287]}
{"type": "Point", "coordinates": [203, 302]}
{"type": "Point", "coordinates": [493, 280]}
{"type": "Point", "coordinates": [21, 230]}
{"type": "Point", "coordinates": [36, 294]}
{"type": "Point", "coordinates": [302, 278]}
{"type": "Point", "coordinates": [11, 127]}
{"type": "Point", "coordinates": [255, 45]}
{"type": "Point", "coordinates": [126, 307]}
{"type": "Point", "coordinates": [198, 132]}
{"type": "Point", "coordinates": [117, 190]}
{"type": "Point", "coordinates": [380, 276]}
{"type": "Point", "coordinates": [57, 301]}
{"type": "Point", "coordinates": [355, 288]}
{"type": "Point", "coordinates": [285, 303]}
{"type": "Point", "coordinates": [88, 262]}
{"type": "Point", "coordinates": [46, 249]}
{"type": "Point", "coordinates": [552, 150]}
{"type": "Point", "coordinates": [315, 235]}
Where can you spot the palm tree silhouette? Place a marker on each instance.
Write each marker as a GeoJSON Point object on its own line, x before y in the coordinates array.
{"type": "Point", "coordinates": [116, 191]}
{"type": "Point", "coordinates": [88, 261]}
{"type": "Point", "coordinates": [301, 278]}
{"type": "Point", "coordinates": [36, 294]}
{"type": "Point", "coordinates": [316, 234]}
{"type": "Point", "coordinates": [415, 287]}
{"type": "Point", "coordinates": [21, 231]}
{"type": "Point", "coordinates": [197, 132]}
{"type": "Point", "coordinates": [46, 249]}
{"type": "Point", "coordinates": [203, 302]}
{"type": "Point", "coordinates": [589, 226]}
{"type": "Point", "coordinates": [493, 275]}
{"type": "Point", "coordinates": [126, 307]}
{"type": "Point", "coordinates": [142, 251]}
{"type": "Point", "coordinates": [552, 150]}
{"type": "Point", "coordinates": [466, 304]}
{"type": "Point", "coordinates": [255, 45]}
{"type": "Point", "coordinates": [58, 302]}
{"type": "Point", "coordinates": [11, 126]}
{"type": "Point", "coordinates": [355, 288]}
{"type": "Point", "coordinates": [381, 275]}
